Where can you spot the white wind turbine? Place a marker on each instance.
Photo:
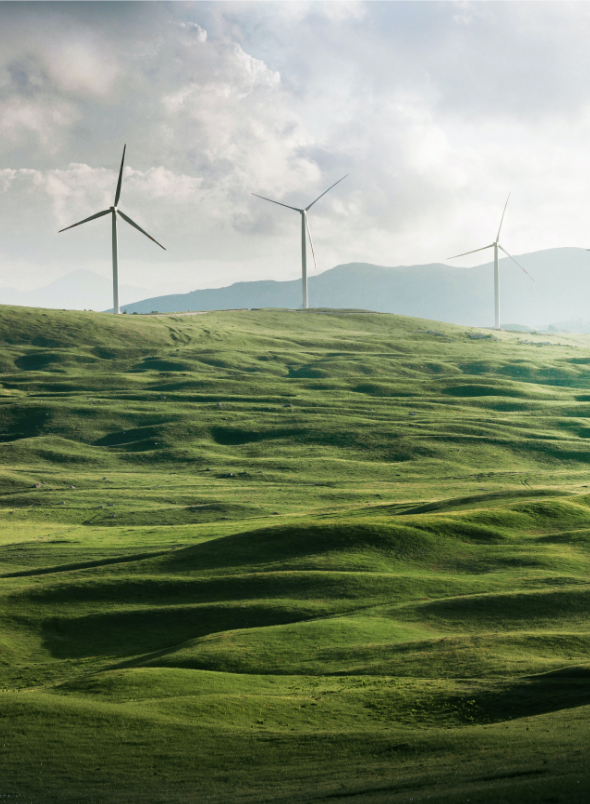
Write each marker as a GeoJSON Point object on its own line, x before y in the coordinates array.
{"type": "Point", "coordinates": [496, 245]}
{"type": "Point", "coordinates": [114, 211]}
{"type": "Point", "coordinates": [304, 234]}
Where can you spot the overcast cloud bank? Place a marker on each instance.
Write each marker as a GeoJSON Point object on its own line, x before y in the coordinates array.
{"type": "Point", "coordinates": [436, 110]}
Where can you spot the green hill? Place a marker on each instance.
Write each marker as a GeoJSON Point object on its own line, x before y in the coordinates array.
{"type": "Point", "coordinates": [278, 556]}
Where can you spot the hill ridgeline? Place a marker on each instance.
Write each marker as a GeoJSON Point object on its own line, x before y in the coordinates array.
{"type": "Point", "coordinates": [441, 292]}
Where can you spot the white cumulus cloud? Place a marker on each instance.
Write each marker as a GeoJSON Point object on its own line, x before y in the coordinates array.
{"type": "Point", "coordinates": [436, 110]}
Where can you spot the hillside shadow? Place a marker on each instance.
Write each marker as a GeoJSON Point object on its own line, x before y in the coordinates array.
{"type": "Point", "coordinates": [567, 688]}
{"type": "Point", "coordinates": [296, 585]}
{"type": "Point", "coordinates": [307, 373]}
{"type": "Point", "coordinates": [232, 436]}
{"type": "Point", "coordinates": [23, 421]}
{"type": "Point", "coordinates": [505, 611]}
{"type": "Point", "coordinates": [37, 362]}
{"type": "Point", "coordinates": [133, 631]}
{"type": "Point", "coordinates": [82, 565]}
{"type": "Point", "coordinates": [475, 499]}
{"type": "Point", "coordinates": [481, 390]}
{"type": "Point", "coordinates": [160, 364]}
{"type": "Point", "coordinates": [137, 438]}
{"type": "Point", "coordinates": [283, 543]}
{"type": "Point", "coordinates": [374, 389]}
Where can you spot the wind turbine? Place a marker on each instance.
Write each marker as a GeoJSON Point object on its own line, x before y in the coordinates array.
{"type": "Point", "coordinates": [114, 211]}
{"type": "Point", "coordinates": [496, 245]}
{"type": "Point", "coordinates": [304, 231]}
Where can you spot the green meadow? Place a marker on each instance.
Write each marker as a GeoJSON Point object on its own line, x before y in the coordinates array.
{"type": "Point", "coordinates": [271, 556]}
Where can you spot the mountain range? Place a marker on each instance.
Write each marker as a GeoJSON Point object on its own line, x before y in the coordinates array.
{"type": "Point", "coordinates": [78, 290]}
{"type": "Point", "coordinates": [557, 298]}
{"type": "Point", "coordinates": [559, 292]}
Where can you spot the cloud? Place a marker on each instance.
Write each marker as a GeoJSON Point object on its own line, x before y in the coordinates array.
{"type": "Point", "coordinates": [466, 12]}
{"type": "Point", "coordinates": [271, 19]}
{"type": "Point", "coordinates": [436, 110]}
{"type": "Point", "coordinates": [195, 29]}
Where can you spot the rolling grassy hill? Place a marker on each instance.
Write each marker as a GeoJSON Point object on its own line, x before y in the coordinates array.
{"type": "Point", "coordinates": [292, 557]}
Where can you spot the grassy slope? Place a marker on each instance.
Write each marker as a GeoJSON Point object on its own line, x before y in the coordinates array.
{"type": "Point", "coordinates": [288, 557]}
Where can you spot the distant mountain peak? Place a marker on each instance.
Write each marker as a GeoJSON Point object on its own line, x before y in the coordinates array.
{"type": "Point", "coordinates": [438, 291]}
{"type": "Point", "coordinates": [81, 289]}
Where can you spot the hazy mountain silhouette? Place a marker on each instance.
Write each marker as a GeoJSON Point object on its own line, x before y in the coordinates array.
{"type": "Point", "coordinates": [79, 290]}
{"type": "Point", "coordinates": [560, 292]}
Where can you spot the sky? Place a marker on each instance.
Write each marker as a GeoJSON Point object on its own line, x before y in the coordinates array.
{"type": "Point", "coordinates": [435, 110]}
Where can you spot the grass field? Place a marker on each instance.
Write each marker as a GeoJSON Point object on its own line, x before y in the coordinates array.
{"type": "Point", "coordinates": [277, 556]}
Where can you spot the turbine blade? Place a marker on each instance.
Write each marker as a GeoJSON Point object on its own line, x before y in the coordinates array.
{"type": "Point", "coordinates": [513, 260]}
{"type": "Point", "coordinates": [118, 193]}
{"type": "Point", "coordinates": [91, 218]}
{"type": "Point", "coordinates": [502, 218]}
{"type": "Point", "coordinates": [325, 191]}
{"type": "Point", "coordinates": [276, 202]}
{"type": "Point", "coordinates": [315, 265]}
{"type": "Point", "coordinates": [128, 219]}
{"type": "Point", "coordinates": [470, 252]}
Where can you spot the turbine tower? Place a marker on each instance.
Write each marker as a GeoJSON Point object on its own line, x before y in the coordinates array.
{"type": "Point", "coordinates": [304, 234]}
{"type": "Point", "coordinates": [114, 211]}
{"type": "Point", "coordinates": [496, 245]}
